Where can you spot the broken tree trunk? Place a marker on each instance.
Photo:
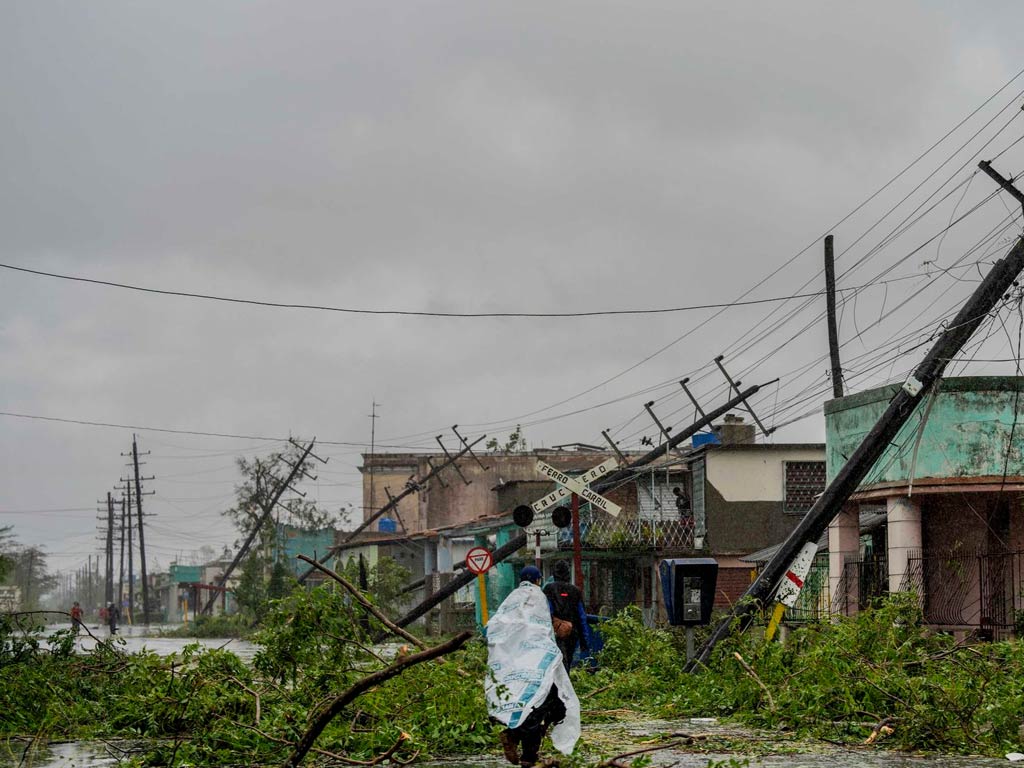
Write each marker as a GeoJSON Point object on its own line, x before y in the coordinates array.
{"type": "Point", "coordinates": [336, 705]}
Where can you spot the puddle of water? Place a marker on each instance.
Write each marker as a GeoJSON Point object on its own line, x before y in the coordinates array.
{"type": "Point", "coordinates": [138, 638]}
{"type": "Point", "coordinates": [100, 755]}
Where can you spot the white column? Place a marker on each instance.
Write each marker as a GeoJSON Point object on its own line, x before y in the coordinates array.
{"type": "Point", "coordinates": [843, 547]}
{"type": "Point", "coordinates": [429, 557]}
{"type": "Point", "coordinates": [904, 539]}
{"type": "Point", "coordinates": [444, 555]}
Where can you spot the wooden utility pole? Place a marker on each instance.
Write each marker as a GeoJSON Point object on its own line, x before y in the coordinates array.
{"type": "Point", "coordinates": [999, 279]}
{"type": "Point", "coordinates": [833, 331]}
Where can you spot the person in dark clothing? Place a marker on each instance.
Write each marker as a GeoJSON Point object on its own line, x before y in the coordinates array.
{"type": "Point", "coordinates": [566, 603]}
{"type": "Point", "coordinates": [532, 730]}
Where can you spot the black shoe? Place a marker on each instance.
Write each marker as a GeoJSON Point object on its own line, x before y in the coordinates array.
{"type": "Point", "coordinates": [510, 745]}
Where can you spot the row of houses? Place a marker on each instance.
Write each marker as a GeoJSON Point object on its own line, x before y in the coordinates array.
{"type": "Point", "coordinates": [940, 514]}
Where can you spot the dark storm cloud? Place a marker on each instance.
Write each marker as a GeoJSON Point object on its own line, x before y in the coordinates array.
{"type": "Point", "coordinates": [424, 156]}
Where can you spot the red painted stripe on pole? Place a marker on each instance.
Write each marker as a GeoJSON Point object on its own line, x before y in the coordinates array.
{"type": "Point", "coordinates": [795, 579]}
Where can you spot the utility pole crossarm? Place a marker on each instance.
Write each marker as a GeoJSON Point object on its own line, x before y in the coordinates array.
{"type": "Point", "coordinates": [984, 299]}
{"type": "Point", "coordinates": [413, 486]}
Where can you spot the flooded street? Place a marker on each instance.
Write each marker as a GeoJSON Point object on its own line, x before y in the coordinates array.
{"type": "Point", "coordinates": [137, 638]}
{"type": "Point", "coordinates": [609, 738]}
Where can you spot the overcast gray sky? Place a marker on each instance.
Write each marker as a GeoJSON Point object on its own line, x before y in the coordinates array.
{"type": "Point", "coordinates": [461, 157]}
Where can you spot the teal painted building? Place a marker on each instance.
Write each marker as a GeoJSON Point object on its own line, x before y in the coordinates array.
{"type": "Point", "coordinates": [950, 486]}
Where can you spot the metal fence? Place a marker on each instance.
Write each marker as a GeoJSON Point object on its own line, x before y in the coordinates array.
{"type": "Point", "coordinates": [601, 532]}
{"type": "Point", "coordinates": [960, 589]}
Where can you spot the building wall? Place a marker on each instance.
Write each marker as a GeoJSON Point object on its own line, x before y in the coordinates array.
{"type": "Point", "coordinates": [752, 475]}
{"type": "Point", "coordinates": [456, 502]}
{"type": "Point", "coordinates": [743, 497]}
{"type": "Point", "coordinates": [965, 436]}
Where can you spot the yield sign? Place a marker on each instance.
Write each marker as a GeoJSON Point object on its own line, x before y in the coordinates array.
{"type": "Point", "coordinates": [577, 485]}
{"type": "Point", "coordinates": [478, 560]}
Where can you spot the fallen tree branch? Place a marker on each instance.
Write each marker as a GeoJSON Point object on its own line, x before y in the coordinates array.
{"type": "Point", "coordinates": [386, 755]}
{"type": "Point", "coordinates": [883, 728]}
{"type": "Point", "coordinates": [750, 671]}
{"type": "Point", "coordinates": [334, 707]}
{"type": "Point", "coordinates": [254, 694]}
{"type": "Point", "coordinates": [366, 603]}
{"type": "Point", "coordinates": [614, 762]}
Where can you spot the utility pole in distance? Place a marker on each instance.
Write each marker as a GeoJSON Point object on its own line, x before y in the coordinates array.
{"type": "Point", "coordinates": [142, 536]}
{"type": "Point", "coordinates": [830, 305]}
{"type": "Point", "coordinates": [108, 594]}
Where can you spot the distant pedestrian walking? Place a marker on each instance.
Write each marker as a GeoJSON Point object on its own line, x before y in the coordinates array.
{"type": "Point", "coordinates": [76, 617]}
{"type": "Point", "coordinates": [113, 614]}
{"type": "Point", "coordinates": [567, 614]}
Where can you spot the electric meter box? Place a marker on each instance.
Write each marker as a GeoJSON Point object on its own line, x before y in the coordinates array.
{"type": "Point", "coordinates": [688, 585]}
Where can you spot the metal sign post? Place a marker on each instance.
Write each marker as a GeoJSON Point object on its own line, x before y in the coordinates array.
{"type": "Point", "coordinates": [479, 561]}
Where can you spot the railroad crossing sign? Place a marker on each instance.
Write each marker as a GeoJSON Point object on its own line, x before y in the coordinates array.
{"type": "Point", "coordinates": [578, 485]}
{"type": "Point", "coordinates": [479, 560]}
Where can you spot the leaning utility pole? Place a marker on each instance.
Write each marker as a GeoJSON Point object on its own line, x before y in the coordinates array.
{"type": "Point", "coordinates": [613, 479]}
{"type": "Point", "coordinates": [830, 306]}
{"type": "Point", "coordinates": [984, 299]}
{"type": "Point", "coordinates": [297, 468]}
{"type": "Point", "coordinates": [131, 565]}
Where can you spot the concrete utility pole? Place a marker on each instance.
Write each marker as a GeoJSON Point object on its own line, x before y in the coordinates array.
{"type": "Point", "coordinates": [131, 565]}
{"type": "Point", "coordinates": [613, 479]}
{"type": "Point", "coordinates": [830, 305]}
{"type": "Point", "coordinates": [412, 486]}
{"type": "Point", "coordinates": [999, 279]}
{"type": "Point", "coordinates": [373, 447]}
{"type": "Point", "coordinates": [120, 578]}
{"type": "Point", "coordinates": [108, 594]}
{"type": "Point", "coordinates": [142, 535]}
{"type": "Point", "coordinates": [267, 510]}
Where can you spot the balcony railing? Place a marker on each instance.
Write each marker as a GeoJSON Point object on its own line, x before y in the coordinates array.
{"type": "Point", "coordinates": [601, 532]}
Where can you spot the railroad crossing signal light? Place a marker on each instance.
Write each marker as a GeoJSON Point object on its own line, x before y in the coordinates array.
{"type": "Point", "coordinates": [562, 517]}
{"type": "Point", "coordinates": [522, 515]}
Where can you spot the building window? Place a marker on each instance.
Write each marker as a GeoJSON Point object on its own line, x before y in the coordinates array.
{"type": "Point", "coordinates": [805, 481]}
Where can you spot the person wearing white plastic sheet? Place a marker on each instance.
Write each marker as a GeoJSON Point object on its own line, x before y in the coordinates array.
{"type": "Point", "coordinates": [528, 689]}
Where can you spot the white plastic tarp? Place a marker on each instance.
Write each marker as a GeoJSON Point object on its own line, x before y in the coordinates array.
{"type": "Point", "coordinates": [525, 662]}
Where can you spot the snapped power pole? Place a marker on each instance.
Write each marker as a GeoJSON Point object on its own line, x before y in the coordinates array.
{"type": "Point", "coordinates": [984, 299]}
{"type": "Point", "coordinates": [296, 469]}
{"type": "Point", "coordinates": [413, 485]}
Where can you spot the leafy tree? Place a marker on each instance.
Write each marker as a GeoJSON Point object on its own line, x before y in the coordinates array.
{"type": "Point", "coordinates": [6, 552]}
{"type": "Point", "coordinates": [28, 570]}
{"type": "Point", "coordinates": [264, 575]}
{"type": "Point", "coordinates": [515, 443]}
